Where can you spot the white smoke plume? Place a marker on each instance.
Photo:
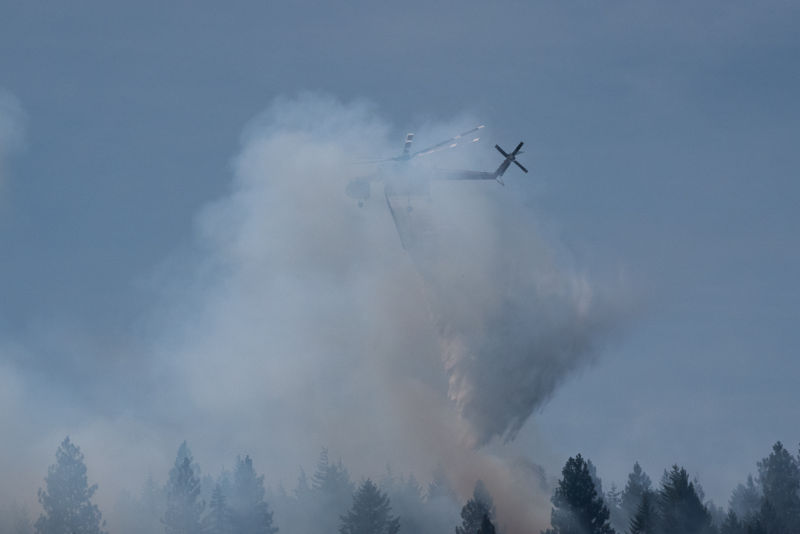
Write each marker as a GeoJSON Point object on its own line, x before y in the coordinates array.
{"type": "Point", "coordinates": [308, 324]}
{"type": "Point", "coordinates": [298, 321]}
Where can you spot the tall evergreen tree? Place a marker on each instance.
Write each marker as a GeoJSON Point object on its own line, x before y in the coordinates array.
{"type": "Point", "coordinates": [249, 511]}
{"type": "Point", "coordinates": [487, 527]}
{"type": "Point", "coordinates": [745, 499]}
{"type": "Point", "coordinates": [732, 525]}
{"type": "Point", "coordinates": [183, 453]}
{"type": "Point", "coordinates": [319, 500]}
{"type": "Point", "coordinates": [319, 478]}
{"type": "Point", "coordinates": [779, 477]}
{"type": "Point", "coordinates": [680, 507]}
{"type": "Point", "coordinates": [579, 509]}
{"type": "Point", "coordinates": [613, 500]}
{"type": "Point", "coordinates": [67, 499]}
{"type": "Point", "coordinates": [332, 479]}
{"type": "Point", "coordinates": [645, 521]}
{"type": "Point", "coordinates": [370, 513]}
{"type": "Point", "coordinates": [765, 521]}
{"type": "Point", "coordinates": [295, 507]}
{"type": "Point", "coordinates": [332, 491]}
{"type": "Point", "coordinates": [219, 519]}
{"type": "Point", "coordinates": [405, 495]}
{"type": "Point", "coordinates": [598, 482]}
{"type": "Point", "coordinates": [184, 506]}
{"type": "Point", "coordinates": [638, 484]}
{"type": "Point", "coordinates": [479, 506]}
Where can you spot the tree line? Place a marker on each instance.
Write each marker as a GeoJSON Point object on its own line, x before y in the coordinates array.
{"type": "Point", "coordinates": [766, 504]}
{"type": "Point", "coordinates": [238, 502]}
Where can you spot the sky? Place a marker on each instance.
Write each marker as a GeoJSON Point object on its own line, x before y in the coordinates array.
{"type": "Point", "coordinates": [661, 143]}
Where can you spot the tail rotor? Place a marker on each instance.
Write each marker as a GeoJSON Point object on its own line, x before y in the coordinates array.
{"type": "Point", "coordinates": [510, 158]}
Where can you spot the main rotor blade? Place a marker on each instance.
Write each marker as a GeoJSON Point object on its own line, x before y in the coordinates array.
{"type": "Point", "coordinates": [503, 152]}
{"type": "Point", "coordinates": [517, 149]}
{"type": "Point", "coordinates": [520, 166]}
{"type": "Point", "coordinates": [452, 142]}
{"type": "Point", "coordinates": [452, 145]}
{"type": "Point", "coordinates": [371, 161]}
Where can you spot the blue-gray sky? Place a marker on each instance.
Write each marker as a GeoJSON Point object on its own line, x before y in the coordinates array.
{"type": "Point", "coordinates": [662, 144]}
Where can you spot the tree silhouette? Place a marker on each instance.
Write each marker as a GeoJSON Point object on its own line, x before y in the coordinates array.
{"type": "Point", "coordinates": [184, 507]}
{"type": "Point", "coordinates": [680, 507]}
{"type": "Point", "coordinates": [370, 513]}
{"type": "Point", "coordinates": [745, 499]}
{"type": "Point", "coordinates": [405, 495]}
{"type": "Point", "coordinates": [478, 507]}
{"type": "Point", "coordinates": [779, 476]}
{"type": "Point", "coordinates": [638, 484]}
{"type": "Point", "coordinates": [249, 511]}
{"type": "Point", "coordinates": [732, 525]}
{"type": "Point", "coordinates": [579, 509]}
{"type": "Point", "coordinates": [331, 493]}
{"type": "Point", "coordinates": [487, 527]}
{"type": "Point", "coordinates": [67, 499]}
{"type": "Point", "coordinates": [645, 521]}
{"type": "Point", "coordinates": [218, 520]}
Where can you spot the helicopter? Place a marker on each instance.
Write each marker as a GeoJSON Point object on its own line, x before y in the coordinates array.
{"type": "Point", "coordinates": [403, 181]}
{"type": "Point", "coordinates": [407, 182]}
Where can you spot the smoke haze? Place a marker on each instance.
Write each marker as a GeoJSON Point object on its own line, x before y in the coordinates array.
{"type": "Point", "coordinates": [299, 321]}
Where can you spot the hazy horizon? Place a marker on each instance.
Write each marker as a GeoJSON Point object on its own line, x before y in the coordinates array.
{"type": "Point", "coordinates": [181, 261]}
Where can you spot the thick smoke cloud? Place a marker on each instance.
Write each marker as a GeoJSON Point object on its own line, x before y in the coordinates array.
{"type": "Point", "coordinates": [310, 325]}
{"type": "Point", "coordinates": [298, 321]}
{"type": "Point", "coordinates": [513, 319]}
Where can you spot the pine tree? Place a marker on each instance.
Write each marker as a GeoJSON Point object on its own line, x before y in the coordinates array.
{"type": "Point", "coordinates": [479, 506]}
{"type": "Point", "coordinates": [680, 507]}
{"type": "Point", "coordinates": [745, 499]}
{"type": "Point", "coordinates": [579, 509]}
{"type": "Point", "coordinates": [764, 522]}
{"type": "Point", "coordinates": [779, 477]}
{"type": "Point", "coordinates": [184, 507]}
{"type": "Point", "coordinates": [487, 527]}
{"type": "Point", "coordinates": [613, 501]}
{"type": "Point", "coordinates": [732, 525]}
{"type": "Point", "coordinates": [645, 521]}
{"type": "Point", "coordinates": [332, 492]}
{"type": "Point", "coordinates": [370, 513]}
{"type": "Point", "coordinates": [218, 520]}
{"type": "Point", "coordinates": [332, 480]}
{"type": "Point", "coordinates": [67, 501]}
{"type": "Point", "coordinates": [183, 453]}
{"type": "Point", "coordinates": [598, 482]}
{"type": "Point", "coordinates": [405, 495]}
{"type": "Point", "coordinates": [296, 508]}
{"type": "Point", "coordinates": [320, 476]}
{"type": "Point", "coordinates": [250, 513]}
{"type": "Point", "coordinates": [638, 484]}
